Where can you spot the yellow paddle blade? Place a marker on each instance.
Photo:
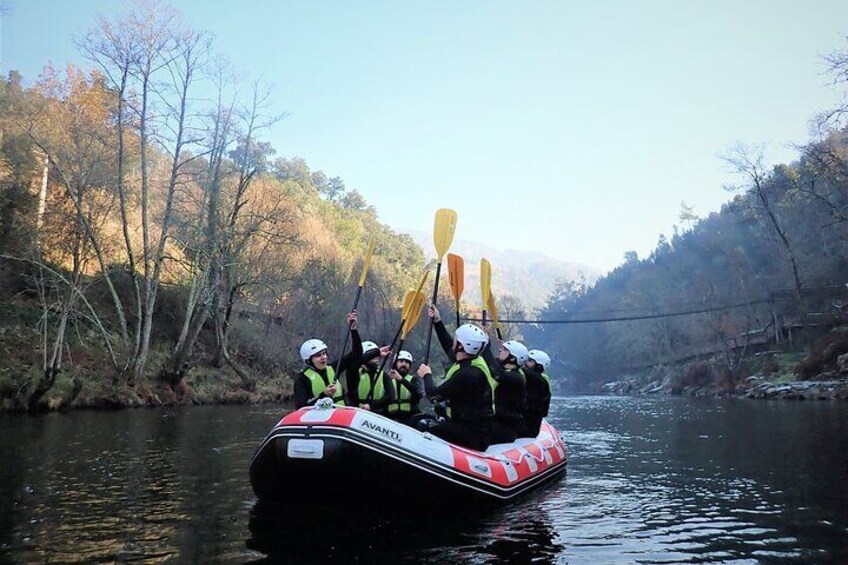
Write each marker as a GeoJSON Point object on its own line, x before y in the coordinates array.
{"type": "Point", "coordinates": [408, 300]}
{"type": "Point", "coordinates": [485, 281]}
{"type": "Point", "coordinates": [443, 231]}
{"type": "Point", "coordinates": [367, 262]}
{"type": "Point", "coordinates": [414, 313]}
{"type": "Point", "coordinates": [423, 280]}
{"type": "Point", "coordinates": [493, 310]}
{"type": "Point", "coordinates": [456, 274]}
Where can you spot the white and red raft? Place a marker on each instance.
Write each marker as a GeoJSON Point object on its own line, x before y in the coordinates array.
{"type": "Point", "coordinates": [347, 455]}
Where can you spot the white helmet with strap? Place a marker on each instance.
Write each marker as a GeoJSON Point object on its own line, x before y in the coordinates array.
{"type": "Point", "coordinates": [517, 350]}
{"type": "Point", "coordinates": [404, 355]}
{"type": "Point", "coordinates": [311, 347]}
{"type": "Point", "coordinates": [471, 338]}
{"type": "Point", "coordinates": [369, 346]}
{"type": "Point", "coordinates": [540, 357]}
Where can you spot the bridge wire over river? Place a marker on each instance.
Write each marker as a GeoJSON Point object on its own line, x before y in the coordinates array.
{"type": "Point", "coordinates": [628, 318]}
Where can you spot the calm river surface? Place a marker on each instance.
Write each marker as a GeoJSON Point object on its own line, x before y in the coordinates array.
{"type": "Point", "coordinates": [650, 480]}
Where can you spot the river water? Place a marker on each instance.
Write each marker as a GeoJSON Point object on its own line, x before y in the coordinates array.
{"type": "Point", "coordinates": [650, 480]}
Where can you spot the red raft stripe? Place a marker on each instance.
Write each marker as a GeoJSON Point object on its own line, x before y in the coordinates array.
{"type": "Point", "coordinates": [519, 460]}
{"type": "Point", "coordinates": [536, 452]}
{"type": "Point", "coordinates": [340, 417]}
{"type": "Point", "coordinates": [461, 463]}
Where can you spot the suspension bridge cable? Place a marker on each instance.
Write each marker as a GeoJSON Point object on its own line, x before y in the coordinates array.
{"type": "Point", "coordinates": [628, 318]}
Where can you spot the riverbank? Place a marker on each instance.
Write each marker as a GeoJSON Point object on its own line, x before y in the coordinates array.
{"type": "Point", "coordinates": [203, 385]}
{"type": "Point", "coordinates": [770, 375]}
{"type": "Point", "coordinates": [819, 372]}
{"type": "Point", "coordinates": [88, 379]}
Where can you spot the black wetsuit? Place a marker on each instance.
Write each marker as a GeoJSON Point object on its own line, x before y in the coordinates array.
{"type": "Point", "coordinates": [469, 398]}
{"type": "Point", "coordinates": [510, 400]}
{"type": "Point", "coordinates": [538, 402]}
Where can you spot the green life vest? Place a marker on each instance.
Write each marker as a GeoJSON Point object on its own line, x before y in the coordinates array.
{"type": "Point", "coordinates": [403, 404]}
{"type": "Point", "coordinates": [318, 384]}
{"type": "Point", "coordinates": [480, 364]}
{"type": "Point", "coordinates": [547, 380]}
{"type": "Point", "coordinates": [365, 387]}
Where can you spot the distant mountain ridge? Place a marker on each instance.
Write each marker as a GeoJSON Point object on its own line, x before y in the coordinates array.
{"type": "Point", "coordinates": [529, 275]}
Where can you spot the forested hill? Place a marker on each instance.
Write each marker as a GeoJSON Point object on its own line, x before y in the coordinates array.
{"type": "Point", "coordinates": [528, 276]}
{"type": "Point", "coordinates": [782, 238]}
{"type": "Point", "coordinates": [154, 248]}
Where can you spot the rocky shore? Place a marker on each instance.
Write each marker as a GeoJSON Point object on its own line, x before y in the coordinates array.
{"type": "Point", "coordinates": [757, 386]}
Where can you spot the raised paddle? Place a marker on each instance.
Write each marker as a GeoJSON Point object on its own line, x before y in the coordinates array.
{"type": "Point", "coordinates": [408, 301]}
{"type": "Point", "coordinates": [443, 230]}
{"type": "Point", "coordinates": [412, 316]}
{"type": "Point", "coordinates": [456, 277]}
{"type": "Point", "coordinates": [493, 310]}
{"type": "Point", "coordinates": [485, 285]}
{"type": "Point", "coordinates": [413, 302]}
{"type": "Point", "coordinates": [408, 305]}
{"type": "Point", "coordinates": [365, 264]}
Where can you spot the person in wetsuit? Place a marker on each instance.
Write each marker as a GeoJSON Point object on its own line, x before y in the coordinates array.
{"type": "Point", "coordinates": [408, 390]}
{"type": "Point", "coordinates": [318, 378]}
{"type": "Point", "coordinates": [367, 389]}
{"type": "Point", "coordinates": [467, 388]}
{"type": "Point", "coordinates": [538, 391]}
{"type": "Point", "coordinates": [510, 394]}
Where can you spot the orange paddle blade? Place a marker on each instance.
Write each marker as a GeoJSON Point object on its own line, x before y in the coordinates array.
{"type": "Point", "coordinates": [456, 275]}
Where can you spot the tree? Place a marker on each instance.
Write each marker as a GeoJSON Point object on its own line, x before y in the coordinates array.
{"type": "Point", "coordinates": [748, 163]}
{"type": "Point", "coordinates": [152, 60]}
{"type": "Point", "coordinates": [837, 67]}
{"type": "Point", "coordinates": [687, 215]}
{"type": "Point", "coordinates": [510, 307]}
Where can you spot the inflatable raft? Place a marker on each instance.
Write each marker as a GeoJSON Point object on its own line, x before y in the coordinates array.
{"type": "Point", "coordinates": [348, 455]}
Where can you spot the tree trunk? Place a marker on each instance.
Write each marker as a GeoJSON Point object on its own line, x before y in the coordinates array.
{"type": "Point", "coordinates": [42, 192]}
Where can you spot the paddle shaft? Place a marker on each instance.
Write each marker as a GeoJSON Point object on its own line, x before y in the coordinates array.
{"type": "Point", "coordinates": [386, 358]}
{"type": "Point", "coordinates": [347, 333]}
{"type": "Point", "coordinates": [394, 341]}
{"type": "Point", "coordinates": [398, 385]}
{"type": "Point", "coordinates": [430, 330]}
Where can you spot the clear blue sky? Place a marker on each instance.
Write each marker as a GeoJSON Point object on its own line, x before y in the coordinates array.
{"type": "Point", "coordinates": [571, 128]}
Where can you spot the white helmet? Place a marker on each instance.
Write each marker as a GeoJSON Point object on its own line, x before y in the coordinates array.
{"type": "Point", "coordinates": [471, 338]}
{"type": "Point", "coordinates": [311, 347]}
{"type": "Point", "coordinates": [540, 357]}
{"type": "Point", "coordinates": [517, 350]}
{"type": "Point", "coordinates": [404, 355]}
{"type": "Point", "coordinates": [369, 346]}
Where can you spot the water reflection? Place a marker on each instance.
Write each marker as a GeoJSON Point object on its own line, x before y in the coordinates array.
{"type": "Point", "coordinates": [650, 480]}
{"type": "Point", "coordinates": [517, 533]}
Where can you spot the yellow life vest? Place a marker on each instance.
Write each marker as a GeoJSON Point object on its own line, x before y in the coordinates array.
{"type": "Point", "coordinates": [365, 386]}
{"type": "Point", "coordinates": [318, 384]}
{"type": "Point", "coordinates": [403, 404]}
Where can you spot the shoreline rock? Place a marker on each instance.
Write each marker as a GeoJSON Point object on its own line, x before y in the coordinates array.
{"type": "Point", "coordinates": [754, 387]}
